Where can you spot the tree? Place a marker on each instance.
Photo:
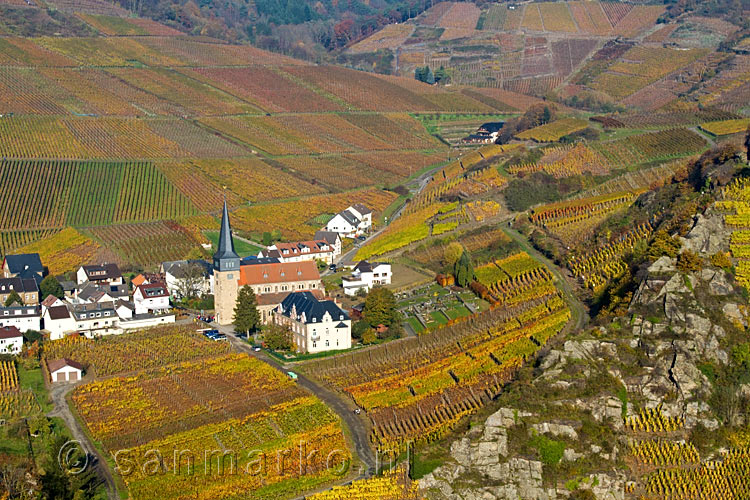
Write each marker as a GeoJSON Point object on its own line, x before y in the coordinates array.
{"type": "Point", "coordinates": [13, 298]}
{"type": "Point", "coordinates": [267, 239]}
{"type": "Point", "coordinates": [663, 244]}
{"type": "Point", "coordinates": [546, 115]}
{"type": "Point", "coordinates": [278, 338]}
{"type": "Point", "coordinates": [246, 316]}
{"type": "Point", "coordinates": [429, 77]}
{"type": "Point", "coordinates": [380, 305]}
{"type": "Point", "coordinates": [50, 286]}
{"type": "Point", "coordinates": [190, 280]}
{"type": "Point", "coordinates": [464, 270]}
{"type": "Point", "coordinates": [452, 253]}
{"type": "Point", "coordinates": [747, 143]}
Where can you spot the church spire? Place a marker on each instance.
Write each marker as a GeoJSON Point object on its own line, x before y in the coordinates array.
{"type": "Point", "coordinates": [225, 249]}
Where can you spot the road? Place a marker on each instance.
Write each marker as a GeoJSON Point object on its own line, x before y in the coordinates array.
{"type": "Point", "coordinates": [357, 425]}
{"type": "Point", "coordinates": [58, 393]}
{"type": "Point", "coordinates": [577, 308]}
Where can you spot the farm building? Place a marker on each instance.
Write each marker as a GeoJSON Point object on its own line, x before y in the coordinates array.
{"type": "Point", "coordinates": [64, 370]}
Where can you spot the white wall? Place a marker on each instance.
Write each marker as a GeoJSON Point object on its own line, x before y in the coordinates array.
{"type": "Point", "coordinates": [11, 346]}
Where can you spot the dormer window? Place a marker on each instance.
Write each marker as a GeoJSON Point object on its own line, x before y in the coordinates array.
{"type": "Point", "coordinates": [315, 320]}
{"type": "Point", "coordinates": [341, 317]}
{"type": "Point", "coordinates": [83, 316]}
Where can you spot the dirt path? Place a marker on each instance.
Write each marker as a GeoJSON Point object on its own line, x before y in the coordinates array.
{"type": "Point", "coordinates": [58, 393]}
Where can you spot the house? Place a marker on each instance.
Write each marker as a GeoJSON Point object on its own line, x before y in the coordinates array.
{"type": "Point", "coordinates": [26, 288]}
{"type": "Point", "coordinates": [491, 128]}
{"type": "Point", "coordinates": [366, 275]}
{"type": "Point", "coordinates": [69, 287]}
{"type": "Point", "coordinates": [478, 139]}
{"type": "Point", "coordinates": [91, 292]}
{"type": "Point", "coordinates": [273, 282]}
{"type": "Point", "coordinates": [95, 319]}
{"type": "Point", "coordinates": [300, 251]}
{"type": "Point", "coordinates": [151, 299]}
{"type": "Point", "coordinates": [317, 325]}
{"type": "Point", "coordinates": [27, 265]}
{"type": "Point", "coordinates": [148, 278]}
{"type": "Point", "coordinates": [333, 239]}
{"type": "Point", "coordinates": [50, 301]}
{"type": "Point", "coordinates": [11, 340]}
{"type": "Point", "coordinates": [58, 321]}
{"type": "Point", "coordinates": [24, 318]}
{"type": "Point", "coordinates": [352, 222]}
{"type": "Point", "coordinates": [188, 278]}
{"type": "Point", "coordinates": [64, 370]}
{"type": "Point", "coordinates": [100, 274]}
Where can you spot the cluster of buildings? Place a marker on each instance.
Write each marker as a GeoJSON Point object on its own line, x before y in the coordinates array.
{"type": "Point", "coordinates": [284, 277]}
{"type": "Point", "coordinates": [487, 133]}
{"type": "Point", "coordinates": [99, 302]}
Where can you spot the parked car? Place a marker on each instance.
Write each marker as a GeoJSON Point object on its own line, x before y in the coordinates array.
{"type": "Point", "coordinates": [292, 375]}
{"type": "Point", "coordinates": [332, 267]}
{"type": "Point", "coordinates": [361, 237]}
{"type": "Point", "coordinates": [218, 336]}
{"type": "Point", "coordinates": [256, 349]}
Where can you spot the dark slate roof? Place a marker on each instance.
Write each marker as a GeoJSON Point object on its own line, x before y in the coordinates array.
{"type": "Point", "coordinates": [350, 217]}
{"type": "Point", "coordinates": [305, 302]}
{"type": "Point", "coordinates": [491, 127]}
{"type": "Point", "coordinates": [252, 260]}
{"type": "Point", "coordinates": [361, 209]}
{"type": "Point", "coordinates": [23, 311]}
{"type": "Point", "coordinates": [58, 312]}
{"type": "Point", "coordinates": [178, 268]}
{"type": "Point", "coordinates": [67, 285]}
{"type": "Point", "coordinates": [225, 248]}
{"type": "Point", "coordinates": [20, 285]}
{"type": "Point", "coordinates": [103, 272]}
{"type": "Point", "coordinates": [79, 309]}
{"type": "Point", "coordinates": [24, 263]}
{"type": "Point", "coordinates": [363, 266]}
{"type": "Point", "coordinates": [329, 236]}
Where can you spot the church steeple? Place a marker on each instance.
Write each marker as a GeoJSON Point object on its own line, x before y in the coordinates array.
{"type": "Point", "coordinates": [225, 258]}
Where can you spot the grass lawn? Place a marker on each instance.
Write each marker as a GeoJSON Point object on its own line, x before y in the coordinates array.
{"type": "Point", "coordinates": [458, 311]}
{"type": "Point", "coordinates": [242, 248]}
{"type": "Point", "coordinates": [415, 324]}
{"type": "Point", "coordinates": [439, 317]}
{"type": "Point", "coordinates": [33, 379]}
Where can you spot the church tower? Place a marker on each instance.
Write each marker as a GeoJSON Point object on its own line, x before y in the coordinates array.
{"type": "Point", "coordinates": [226, 273]}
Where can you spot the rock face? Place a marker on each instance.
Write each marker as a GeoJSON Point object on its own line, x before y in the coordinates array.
{"type": "Point", "coordinates": [481, 469]}
{"type": "Point", "coordinates": [677, 323]}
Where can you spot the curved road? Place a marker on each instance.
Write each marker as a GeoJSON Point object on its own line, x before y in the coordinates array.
{"type": "Point", "coordinates": [577, 308]}
{"type": "Point", "coordinates": [357, 424]}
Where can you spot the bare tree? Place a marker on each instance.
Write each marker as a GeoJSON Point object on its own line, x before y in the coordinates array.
{"type": "Point", "coordinates": [190, 280]}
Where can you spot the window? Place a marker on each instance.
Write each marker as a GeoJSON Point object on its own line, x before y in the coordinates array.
{"type": "Point", "coordinates": [229, 276]}
{"type": "Point", "coordinates": [315, 321]}
{"type": "Point", "coordinates": [83, 316]}
{"type": "Point", "coordinates": [327, 343]}
{"type": "Point", "coordinates": [315, 344]}
{"type": "Point", "coordinates": [341, 317]}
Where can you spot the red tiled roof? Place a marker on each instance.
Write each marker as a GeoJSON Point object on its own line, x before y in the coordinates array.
{"type": "Point", "coordinates": [281, 272]}
{"type": "Point", "coordinates": [55, 364]}
{"type": "Point", "coordinates": [10, 332]}
{"type": "Point", "coordinates": [51, 299]}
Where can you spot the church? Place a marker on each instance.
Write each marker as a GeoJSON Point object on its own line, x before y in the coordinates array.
{"type": "Point", "coordinates": [271, 280]}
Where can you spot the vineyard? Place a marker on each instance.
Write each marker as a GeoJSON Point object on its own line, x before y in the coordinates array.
{"type": "Point", "coordinates": [64, 250]}
{"type": "Point", "coordinates": [565, 161]}
{"type": "Point", "coordinates": [242, 405]}
{"type": "Point", "coordinates": [145, 245]}
{"type": "Point", "coordinates": [14, 401]}
{"type": "Point", "coordinates": [393, 484]}
{"type": "Point", "coordinates": [573, 221]}
{"type": "Point", "coordinates": [552, 132]}
{"type": "Point", "coordinates": [417, 389]}
{"type": "Point", "coordinates": [735, 203]}
{"type": "Point", "coordinates": [119, 354]}
{"type": "Point", "coordinates": [47, 193]}
{"type": "Point", "coordinates": [662, 145]}
{"type": "Point", "coordinates": [726, 127]}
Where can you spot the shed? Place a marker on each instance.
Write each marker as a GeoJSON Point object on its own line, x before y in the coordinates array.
{"type": "Point", "coordinates": [64, 370]}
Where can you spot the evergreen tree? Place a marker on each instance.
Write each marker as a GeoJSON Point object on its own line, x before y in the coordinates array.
{"type": "Point", "coordinates": [464, 270]}
{"type": "Point", "coordinates": [246, 316]}
{"type": "Point", "coordinates": [50, 286]}
{"type": "Point", "coordinates": [546, 115]}
{"type": "Point", "coordinates": [420, 73]}
{"type": "Point", "coordinates": [429, 77]}
{"type": "Point", "coordinates": [747, 143]}
{"type": "Point", "coordinates": [13, 298]}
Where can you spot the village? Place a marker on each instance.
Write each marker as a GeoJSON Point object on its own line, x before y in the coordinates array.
{"type": "Point", "coordinates": [285, 279]}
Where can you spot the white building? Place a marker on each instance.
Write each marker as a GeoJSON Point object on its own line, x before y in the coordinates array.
{"type": "Point", "coordinates": [64, 370]}
{"type": "Point", "coordinates": [96, 319]}
{"type": "Point", "coordinates": [365, 276]}
{"type": "Point", "coordinates": [24, 318]}
{"type": "Point", "coordinates": [11, 340]}
{"type": "Point", "coordinates": [352, 222]}
{"type": "Point", "coordinates": [317, 325]}
{"type": "Point", "coordinates": [151, 299]}
{"type": "Point", "coordinates": [333, 239]}
{"type": "Point", "coordinates": [188, 277]}
{"type": "Point", "coordinates": [299, 251]}
{"type": "Point", "coordinates": [58, 321]}
{"type": "Point", "coordinates": [100, 274]}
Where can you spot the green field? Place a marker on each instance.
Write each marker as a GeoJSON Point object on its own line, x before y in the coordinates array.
{"type": "Point", "coordinates": [243, 248]}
